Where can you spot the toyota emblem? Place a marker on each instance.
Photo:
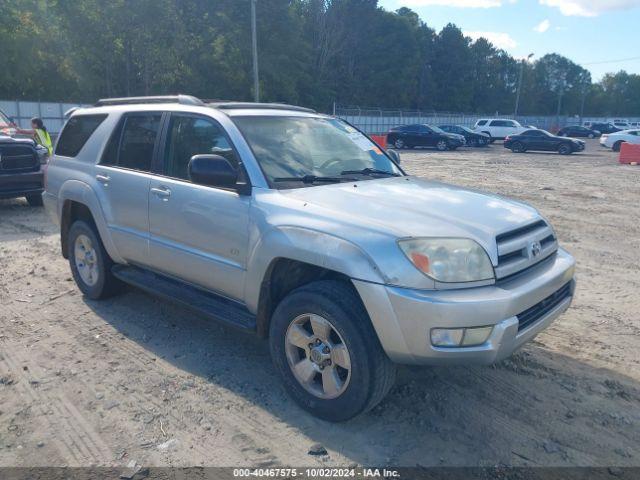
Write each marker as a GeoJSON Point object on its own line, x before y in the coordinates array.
{"type": "Point", "coordinates": [535, 249]}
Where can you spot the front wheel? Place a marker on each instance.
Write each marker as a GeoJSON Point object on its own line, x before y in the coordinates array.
{"type": "Point", "coordinates": [35, 200]}
{"type": "Point", "coordinates": [591, 135]}
{"type": "Point", "coordinates": [564, 149]}
{"type": "Point", "coordinates": [616, 146]}
{"type": "Point", "coordinates": [442, 145]}
{"type": "Point", "coordinates": [327, 352]}
{"type": "Point", "coordinates": [473, 142]}
{"type": "Point", "coordinates": [90, 263]}
{"type": "Point", "coordinates": [399, 144]}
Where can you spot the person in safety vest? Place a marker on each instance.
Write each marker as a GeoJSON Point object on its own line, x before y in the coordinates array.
{"type": "Point", "coordinates": [39, 134]}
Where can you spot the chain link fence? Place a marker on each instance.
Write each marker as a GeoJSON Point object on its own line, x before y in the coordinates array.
{"type": "Point", "coordinates": [373, 120]}
{"type": "Point", "coordinates": [52, 113]}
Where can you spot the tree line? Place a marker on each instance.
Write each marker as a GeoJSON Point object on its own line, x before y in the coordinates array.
{"type": "Point", "coordinates": [312, 53]}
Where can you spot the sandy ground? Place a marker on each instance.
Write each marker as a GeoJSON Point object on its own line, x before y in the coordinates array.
{"type": "Point", "coordinates": [136, 379]}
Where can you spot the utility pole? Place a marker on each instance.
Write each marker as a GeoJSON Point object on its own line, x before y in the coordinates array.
{"type": "Point", "coordinates": [515, 113]}
{"type": "Point", "coordinates": [254, 41]}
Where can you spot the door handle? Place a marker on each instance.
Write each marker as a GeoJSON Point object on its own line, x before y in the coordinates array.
{"type": "Point", "coordinates": [161, 192]}
{"type": "Point", "coordinates": [103, 178]}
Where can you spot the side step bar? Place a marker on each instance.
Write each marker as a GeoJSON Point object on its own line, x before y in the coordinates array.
{"type": "Point", "coordinates": [208, 304]}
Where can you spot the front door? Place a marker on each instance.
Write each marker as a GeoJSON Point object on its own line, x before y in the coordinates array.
{"type": "Point", "coordinates": [198, 234]}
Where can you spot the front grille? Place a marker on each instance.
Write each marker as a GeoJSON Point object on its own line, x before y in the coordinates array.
{"type": "Point", "coordinates": [18, 158]}
{"type": "Point", "coordinates": [524, 247]}
{"type": "Point", "coordinates": [539, 310]}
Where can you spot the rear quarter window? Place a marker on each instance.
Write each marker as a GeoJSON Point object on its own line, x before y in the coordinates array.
{"type": "Point", "coordinates": [76, 133]}
{"type": "Point", "coordinates": [482, 122]}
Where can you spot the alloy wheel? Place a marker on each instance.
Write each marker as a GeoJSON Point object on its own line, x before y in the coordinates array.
{"type": "Point", "coordinates": [86, 260]}
{"type": "Point", "coordinates": [318, 356]}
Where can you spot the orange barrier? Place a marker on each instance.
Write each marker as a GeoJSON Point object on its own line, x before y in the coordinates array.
{"type": "Point", "coordinates": [629, 153]}
{"type": "Point", "coordinates": [381, 140]}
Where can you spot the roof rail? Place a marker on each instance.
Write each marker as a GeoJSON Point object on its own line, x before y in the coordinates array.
{"type": "Point", "coordinates": [267, 106]}
{"type": "Point", "coordinates": [183, 99]}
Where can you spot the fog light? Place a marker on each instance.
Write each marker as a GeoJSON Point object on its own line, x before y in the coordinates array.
{"type": "Point", "coordinates": [447, 337]}
{"type": "Point", "coordinates": [460, 337]}
{"type": "Point", "coordinates": [476, 336]}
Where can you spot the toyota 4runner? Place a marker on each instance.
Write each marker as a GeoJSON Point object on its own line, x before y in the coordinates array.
{"type": "Point", "coordinates": [294, 225]}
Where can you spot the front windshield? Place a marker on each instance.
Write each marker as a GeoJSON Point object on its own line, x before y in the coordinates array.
{"type": "Point", "coordinates": [296, 147]}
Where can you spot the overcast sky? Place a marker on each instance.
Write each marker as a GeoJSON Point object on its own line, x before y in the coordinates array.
{"type": "Point", "coordinates": [589, 32]}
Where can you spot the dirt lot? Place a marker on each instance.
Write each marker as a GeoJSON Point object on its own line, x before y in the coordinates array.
{"type": "Point", "coordinates": [134, 378]}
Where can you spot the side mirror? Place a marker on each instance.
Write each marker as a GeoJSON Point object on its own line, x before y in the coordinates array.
{"type": "Point", "coordinates": [213, 171]}
{"type": "Point", "coordinates": [395, 156]}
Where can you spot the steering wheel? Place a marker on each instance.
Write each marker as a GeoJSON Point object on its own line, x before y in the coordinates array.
{"type": "Point", "coordinates": [330, 162]}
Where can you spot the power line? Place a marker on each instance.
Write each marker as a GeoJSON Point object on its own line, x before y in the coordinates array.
{"type": "Point", "coordinates": [612, 61]}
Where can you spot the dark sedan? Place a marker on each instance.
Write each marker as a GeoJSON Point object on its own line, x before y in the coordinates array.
{"type": "Point", "coordinates": [420, 135]}
{"type": "Point", "coordinates": [543, 141]}
{"type": "Point", "coordinates": [473, 138]}
{"type": "Point", "coordinates": [578, 131]}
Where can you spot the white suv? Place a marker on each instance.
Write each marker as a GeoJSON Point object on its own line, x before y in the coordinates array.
{"type": "Point", "coordinates": [498, 128]}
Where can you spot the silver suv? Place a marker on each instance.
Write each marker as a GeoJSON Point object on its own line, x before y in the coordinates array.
{"type": "Point", "coordinates": [294, 225]}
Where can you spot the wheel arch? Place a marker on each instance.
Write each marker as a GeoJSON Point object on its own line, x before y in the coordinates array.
{"type": "Point", "coordinates": [287, 258]}
{"type": "Point", "coordinates": [77, 201]}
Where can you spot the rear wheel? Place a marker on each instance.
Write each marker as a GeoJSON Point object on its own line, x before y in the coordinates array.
{"type": "Point", "coordinates": [617, 145]}
{"type": "Point", "coordinates": [564, 149]}
{"type": "Point", "coordinates": [90, 263]}
{"type": "Point", "coordinates": [35, 200]}
{"type": "Point", "coordinates": [591, 135]}
{"type": "Point", "coordinates": [327, 353]}
{"type": "Point", "coordinates": [399, 144]}
{"type": "Point", "coordinates": [517, 147]}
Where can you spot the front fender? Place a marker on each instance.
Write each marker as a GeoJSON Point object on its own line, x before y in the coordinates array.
{"type": "Point", "coordinates": [80, 192]}
{"type": "Point", "coordinates": [309, 246]}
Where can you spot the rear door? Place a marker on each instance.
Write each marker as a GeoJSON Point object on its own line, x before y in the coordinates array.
{"type": "Point", "coordinates": [124, 175]}
{"type": "Point", "coordinates": [199, 234]}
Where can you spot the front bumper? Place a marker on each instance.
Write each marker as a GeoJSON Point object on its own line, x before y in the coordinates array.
{"type": "Point", "coordinates": [13, 185]}
{"type": "Point", "coordinates": [403, 318]}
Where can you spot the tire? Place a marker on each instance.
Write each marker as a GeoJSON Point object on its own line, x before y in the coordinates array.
{"type": "Point", "coordinates": [473, 142]}
{"type": "Point", "coordinates": [491, 139]}
{"type": "Point", "coordinates": [442, 145]}
{"type": "Point", "coordinates": [35, 200]}
{"type": "Point", "coordinates": [370, 375]}
{"type": "Point", "coordinates": [517, 147]}
{"type": "Point", "coordinates": [591, 135]}
{"type": "Point", "coordinates": [92, 273]}
{"type": "Point", "coordinates": [399, 144]}
{"type": "Point", "coordinates": [617, 145]}
{"type": "Point", "coordinates": [565, 149]}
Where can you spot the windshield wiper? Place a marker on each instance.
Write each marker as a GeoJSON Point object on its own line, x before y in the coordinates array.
{"type": "Point", "coordinates": [313, 179]}
{"type": "Point", "coordinates": [369, 171]}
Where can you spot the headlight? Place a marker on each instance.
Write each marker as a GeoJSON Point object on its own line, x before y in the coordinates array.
{"type": "Point", "coordinates": [450, 260]}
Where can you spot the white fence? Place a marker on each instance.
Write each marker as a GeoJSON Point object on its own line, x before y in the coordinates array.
{"type": "Point", "coordinates": [52, 114]}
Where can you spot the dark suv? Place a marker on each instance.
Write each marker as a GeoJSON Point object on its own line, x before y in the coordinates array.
{"type": "Point", "coordinates": [21, 169]}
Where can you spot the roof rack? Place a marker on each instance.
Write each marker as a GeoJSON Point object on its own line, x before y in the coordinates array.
{"type": "Point", "coordinates": [182, 99]}
{"type": "Point", "coordinates": [265, 106]}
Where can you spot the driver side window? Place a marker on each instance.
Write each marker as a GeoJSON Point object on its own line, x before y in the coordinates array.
{"type": "Point", "coordinates": [188, 136]}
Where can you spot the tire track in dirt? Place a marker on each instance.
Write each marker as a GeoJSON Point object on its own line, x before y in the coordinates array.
{"type": "Point", "coordinates": [72, 436]}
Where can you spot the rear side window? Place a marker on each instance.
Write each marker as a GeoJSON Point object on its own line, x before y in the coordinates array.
{"type": "Point", "coordinates": [76, 133]}
{"type": "Point", "coordinates": [499, 123]}
{"type": "Point", "coordinates": [133, 141]}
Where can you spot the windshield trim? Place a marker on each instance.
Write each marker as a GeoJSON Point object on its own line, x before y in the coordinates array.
{"type": "Point", "coordinates": [278, 185]}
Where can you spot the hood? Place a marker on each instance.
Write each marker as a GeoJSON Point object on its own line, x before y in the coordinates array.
{"type": "Point", "coordinates": [455, 136]}
{"type": "Point", "coordinates": [413, 207]}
